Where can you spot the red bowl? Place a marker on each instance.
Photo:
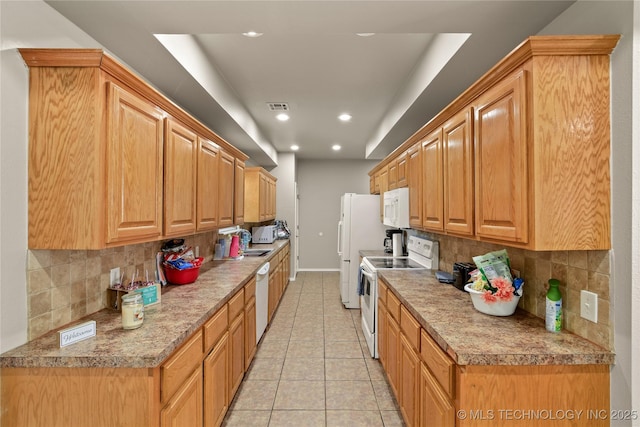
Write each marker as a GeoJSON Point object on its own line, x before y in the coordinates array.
{"type": "Point", "coordinates": [181, 277]}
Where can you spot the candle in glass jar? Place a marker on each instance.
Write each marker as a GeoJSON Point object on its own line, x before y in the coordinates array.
{"type": "Point", "coordinates": [132, 311]}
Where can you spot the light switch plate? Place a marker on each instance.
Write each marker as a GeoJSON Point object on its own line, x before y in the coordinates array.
{"type": "Point", "coordinates": [589, 306]}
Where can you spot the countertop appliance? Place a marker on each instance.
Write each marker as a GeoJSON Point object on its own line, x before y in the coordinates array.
{"type": "Point", "coordinates": [264, 234]}
{"type": "Point", "coordinates": [423, 255]}
{"type": "Point", "coordinates": [262, 300]}
{"type": "Point", "coordinates": [388, 241]}
{"type": "Point", "coordinates": [359, 228]}
{"type": "Point", "coordinates": [396, 208]}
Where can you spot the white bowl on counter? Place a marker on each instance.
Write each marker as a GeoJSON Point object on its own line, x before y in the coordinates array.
{"type": "Point", "coordinates": [496, 308]}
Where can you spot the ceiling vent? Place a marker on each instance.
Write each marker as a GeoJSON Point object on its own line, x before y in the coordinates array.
{"type": "Point", "coordinates": [278, 106]}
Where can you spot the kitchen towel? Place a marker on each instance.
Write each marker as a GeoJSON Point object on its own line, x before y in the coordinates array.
{"type": "Point", "coordinates": [360, 284]}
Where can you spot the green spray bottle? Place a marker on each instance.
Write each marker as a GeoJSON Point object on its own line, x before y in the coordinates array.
{"type": "Point", "coordinates": [553, 318]}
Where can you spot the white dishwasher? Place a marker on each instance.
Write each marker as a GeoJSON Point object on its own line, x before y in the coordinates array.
{"type": "Point", "coordinates": [262, 300]}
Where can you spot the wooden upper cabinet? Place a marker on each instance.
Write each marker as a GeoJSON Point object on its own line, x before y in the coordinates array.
{"type": "Point", "coordinates": [432, 186]}
{"type": "Point", "coordinates": [106, 165]}
{"type": "Point", "coordinates": [226, 189]}
{"type": "Point", "coordinates": [134, 166]}
{"type": "Point", "coordinates": [180, 173]}
{"type": "Point", "coordinates": [415, 183]}
{"type": "Point", "coordinates": [392, 176]}
{"type": "Point", "coordinates": [208, 176]}
{"type": "Point", "coordinates": [238, 196]}
{"type": "Point", "coordinates": [260, 195]}
{"type": "Point", "coordinates": [403, 171]}
{"type": "Point", "coordinates": [501, 161]}
{"type": "Point", "coordinates": [526, 148]}
{"type": "Point", "coordinates": [457, 147]}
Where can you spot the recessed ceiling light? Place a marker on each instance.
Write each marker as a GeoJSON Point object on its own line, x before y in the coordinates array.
{"type": "Point", "coordinates": [295, 147]}
{"type": "Point", "coordinates": [336, 147]}
{"type": "Point", "coordinates": [282, 117]}
{"type": "Point", "coordinates": [345, 117]}
{"type": "Point", "coordinates": [251, 34]}
{"type": "Point", "coordinates": [366, 34]}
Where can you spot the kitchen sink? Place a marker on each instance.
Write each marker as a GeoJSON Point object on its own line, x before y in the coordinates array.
{"type": "Point", "coordinates": [257, 252]}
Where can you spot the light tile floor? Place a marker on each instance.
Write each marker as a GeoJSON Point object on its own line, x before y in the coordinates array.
{"type": "Point", "coordinates": [313, 367]}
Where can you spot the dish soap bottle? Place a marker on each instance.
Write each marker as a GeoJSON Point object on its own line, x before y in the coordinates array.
{"type": "Point", "coordinates": [553, 319]}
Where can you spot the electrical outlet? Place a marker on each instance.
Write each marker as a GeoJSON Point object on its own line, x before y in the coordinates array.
{"type": "Point", "coordinates": [114, 276]}
{"type": "Point", "coordinates": [589, 306]}
{"type": "Point", "coordinates": [197, 251]}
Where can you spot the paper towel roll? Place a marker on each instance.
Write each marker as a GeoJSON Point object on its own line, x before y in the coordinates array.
{"type": "Point", "coordinates": [397, 245]}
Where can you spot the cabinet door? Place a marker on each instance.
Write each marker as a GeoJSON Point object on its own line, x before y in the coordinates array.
{"type": "Point", "coordinates": [180, 173]}
{"type": "Point", "coordinates": [393, 174]}
{"type": "Point", "coordinates": [458, 174]}
{"type": "Point", "coordinates": [263, 196]}
{"type": "Point", "coordinates": [432, 187]}
{"type": "Point", "coordinates": [272, 199]}
{"type": "Point", "coordinates": [436, 410]}
{"type": "Point", "coordinates": [403, 177]}
{"type": "Point", "coordinates": [238, 197]}
{"type": "Point", "coordinates": [135, 144]}
{"type": "Point", "coordinates": [250, 331]}
{"type": "Point", "coordinates": [216, 383]}
{"type": "Point", "coordinates": [384, 186]}
{"type": "Point", "coordinates": [382, 334]}
{"type": "Point", "coordinates": [501, 162]}
{"type": "Point", "coordinates": [414, 182]}
{"type": "Point", "coordinates": [226, 189]}
{"type": "Point", "coordinates": [236, 353]}
{"type": "Point", "coordinates": [185, 408]}
{"type": "Point", "coordinates": [208, 175]}
{"type": "Point", "coordinates": [408, 382]}
{"type": "Point", "coordinates": [393, 353]}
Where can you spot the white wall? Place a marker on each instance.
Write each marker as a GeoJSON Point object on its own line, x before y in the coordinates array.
{"type": "Point", "coordinates": [23, 24]}
{"type": "Point", "coordinates": [616, 17]}
{"type": "Point", "coordinates": [320, 185]}
{"type": "Point", "coordinates": [285, 172]}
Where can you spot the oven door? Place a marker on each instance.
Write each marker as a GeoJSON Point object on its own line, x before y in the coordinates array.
{"type": "Point", "coordinates": [369, 308]}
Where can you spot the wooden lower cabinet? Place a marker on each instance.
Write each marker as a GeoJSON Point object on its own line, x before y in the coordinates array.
{"type": "Point", "coordinates": [432, 391]}
{"type": "Point", "coordinates": [408, 382]}
{"type": "Point", "coordinates": [236, 353]}
{"type": "Point", "coordinates": [216, 380]}
{"type": "Point", "coordinates": [382, 334]}
{"type": "Point", "coordinates": [193, 387]}
{"type": "Point", "coordinates": [185, 408]}
{"type": "Point", "coordinates": [393, 353]}
{"type": "Point", "coordinates": [435, 408]}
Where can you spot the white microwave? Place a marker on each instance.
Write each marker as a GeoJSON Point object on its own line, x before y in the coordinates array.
{"type": "Point", "coordinates": [396, 208]}
{"type": "Point", "coordinates": [265, 234]}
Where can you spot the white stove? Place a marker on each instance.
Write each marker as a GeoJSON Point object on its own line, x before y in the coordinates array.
{"type": "Point", "coordinates": [422, 255]}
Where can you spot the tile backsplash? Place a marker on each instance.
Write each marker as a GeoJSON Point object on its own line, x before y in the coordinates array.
{"type": "Point", "coordinates": [576, 271]}
{"type": "Point", "coordinates": [66, 285]}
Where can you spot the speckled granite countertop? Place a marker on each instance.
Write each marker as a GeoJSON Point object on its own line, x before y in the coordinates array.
{"type": "Point", "coordinates": [183, 309]}
{"type": "Point", "coordinates": [474, 338]}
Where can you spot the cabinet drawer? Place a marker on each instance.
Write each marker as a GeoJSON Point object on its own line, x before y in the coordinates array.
{"type": "Point", "coordinates": [393, 305]}
{"type": "Point", "coordinates": [440, 365]}
{"type": "Point", "coordinates": [410, 328]}
{"type": "Point", "coordinates": [236, 305]}
{"type": "Point", "coordinates": [177, 369]}
{"type": "Point", "coordinates": [382, 293]}
{"type": "Point", "coordinates": [249, 290]}
{"type": "Point", "coordinates": [215, 328]}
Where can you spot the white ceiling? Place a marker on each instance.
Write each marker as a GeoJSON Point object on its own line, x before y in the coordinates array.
{"type": "Point", "coordinates": [423, 54]}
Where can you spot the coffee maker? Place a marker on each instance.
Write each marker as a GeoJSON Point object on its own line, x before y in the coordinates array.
{"type": "Point", "coordinates": [394, 242]}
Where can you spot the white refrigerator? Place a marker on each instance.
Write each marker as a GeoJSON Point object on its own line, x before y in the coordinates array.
{"type": "Point", "coordinates": [359, 229]}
